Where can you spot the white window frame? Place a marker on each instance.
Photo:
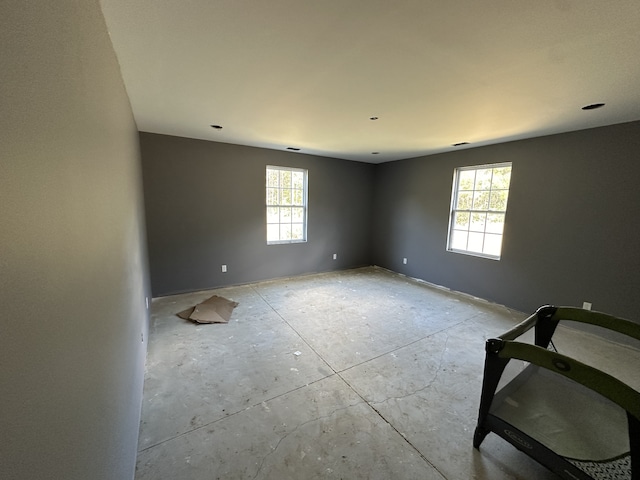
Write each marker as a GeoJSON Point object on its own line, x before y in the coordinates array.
{"type": "Point", "coordinates": [282, 205]}
{"type": "Point", "coordinates": [471, 211]}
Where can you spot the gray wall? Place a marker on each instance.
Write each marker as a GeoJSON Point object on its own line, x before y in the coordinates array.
{"type": "Point", "coordinates": [205, 206]}
{"type": "Point", "coordinates": [572, 225]}
{"type": "Point", "coordinates": [72, 260]}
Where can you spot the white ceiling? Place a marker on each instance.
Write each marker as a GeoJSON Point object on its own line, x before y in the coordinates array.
{"type": "Point", "coordinates": [310, 73]}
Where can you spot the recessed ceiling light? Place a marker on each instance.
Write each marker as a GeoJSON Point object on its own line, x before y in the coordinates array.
{"type": "Point", "coordinates": [593, 106]}
{"type": "Point", "coordinates": [216, 127]}
{"type": "Point", "coordinates": [459, 144]}
{"type": "Point", "coordinates": [293, 148]}
{"type": "Point", "coordinates": [373, 118]}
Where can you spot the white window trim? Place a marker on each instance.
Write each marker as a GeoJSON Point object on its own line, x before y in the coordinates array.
{"type": "Point", "coordinates": [454, 201]}
{"type": "Point", "coordinates": [305, 205]}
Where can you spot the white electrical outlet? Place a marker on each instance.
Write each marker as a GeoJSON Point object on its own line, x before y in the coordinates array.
{"type": "Point", "coordinates": [224, 269]}
{"type": "Point", "coordinates": [404, 261]}
{"type": "Point", "coordinates": [335, 256]}
{"type": "Point", "coordinates": [586, 305]}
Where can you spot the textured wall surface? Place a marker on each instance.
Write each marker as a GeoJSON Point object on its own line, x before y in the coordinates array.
{"type": "Point", "coordinates": [72, 248]}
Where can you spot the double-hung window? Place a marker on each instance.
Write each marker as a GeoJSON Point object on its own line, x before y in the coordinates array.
{"type": "Point", "coordinates": [478, 209]}
{"type": "Point", "coordinates": [286, 205]}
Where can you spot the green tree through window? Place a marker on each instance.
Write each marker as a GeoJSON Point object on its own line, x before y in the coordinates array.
{"type": "Point", "coordinates": [286, 205]}
{"type": "Point", "coordinates": [478, 209]}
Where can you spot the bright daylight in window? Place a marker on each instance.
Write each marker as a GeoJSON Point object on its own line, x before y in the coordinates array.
{"type": "Point", "coordinates": [286, 205]}
{"type": "Point", "coordinates": [478, 208]}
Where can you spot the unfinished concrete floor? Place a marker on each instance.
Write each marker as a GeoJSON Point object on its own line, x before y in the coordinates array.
{"type": "Point", "coordinates": [359, 374]}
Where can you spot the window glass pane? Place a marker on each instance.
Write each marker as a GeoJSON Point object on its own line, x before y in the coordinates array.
{"type": "Point", "coordinates": [466, 179]}
{"type": "Point", "coordinates": [286, 204]}
{"type": "Point", "coordinates": [297, 231]}
{"type": "Point", "coordinates": [285, 178]}
{"type": "Point", "coordinates": [498, 200]}
{"type": "Point", "coordinates": [272, 196]}
{"type": "Point", "coordinates": [272, 178]}
{"type": "Point", "coordinates": [464, 201]}
{"type": "Point", "coordinates": [492, 244]}
{"type": "Point", "coordinates": [285, 215]}
{"type": "Point", "coordinates": [495, 223]}
{"type": "Point", "coordinates": [285, 197]}
{"type": "Point", "coordinates": [297, 214]}
{"type": "Point", "coordinates": [483, 179]}
{"type": "Point", "coordinates": [459, 239]}
{"type": "Point", "coordinates": [478, 214]}
{"type": "Point", "coordinates": [285, 231]}
{"type": "Point", "coordinates": [475, 242]}
{"type": "Point", "coordinates": [477, 222]}
{"type": "Point", "coordinates": [273, 232]}
{"type": "Point", "coordinates": [297, 180]}
{"type": "Point", "coordinates": [273, 215]}
{"type": "Point", "coordinates": [481, 200]}
{"type": "Point", "coordinates": [462, 220]}
{"type": "Point", "coordinates": [501, 177]}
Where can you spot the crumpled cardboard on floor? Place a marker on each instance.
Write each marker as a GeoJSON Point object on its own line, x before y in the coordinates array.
{"type": "Point", "coordinates": [213, 310]}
